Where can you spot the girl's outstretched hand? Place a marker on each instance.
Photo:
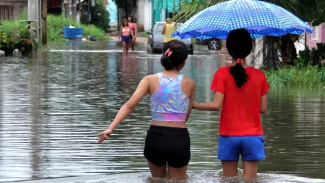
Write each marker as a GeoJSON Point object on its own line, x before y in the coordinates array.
{"type": "Point", "coordinates": [104, 136]}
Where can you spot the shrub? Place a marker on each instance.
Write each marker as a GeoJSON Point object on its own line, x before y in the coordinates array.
{"type": "Point", "coordinates": [55, 26]}
{"type": "Point", "coordinates": [304, 77]}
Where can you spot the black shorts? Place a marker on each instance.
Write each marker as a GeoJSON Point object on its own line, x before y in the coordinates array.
{"type": "Point", "coordinates": [168, 145]}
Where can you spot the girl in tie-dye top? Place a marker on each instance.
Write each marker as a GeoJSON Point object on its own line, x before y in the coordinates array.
{"type": "Point", "coordinates": [167, 145]}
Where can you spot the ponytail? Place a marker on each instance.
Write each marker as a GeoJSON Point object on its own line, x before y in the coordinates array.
{"type": "Point", "coordinates": [166, 62]}
{"type": "Point", "coordinates": [239, 45]}
{"type": "Point", "coordinates": [175, 55]}
{"type": "Point", "coordinates": [238, 73]}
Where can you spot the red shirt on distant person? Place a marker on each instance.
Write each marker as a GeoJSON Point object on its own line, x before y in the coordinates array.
{"type": "Point", "coordinates": [240, 114]}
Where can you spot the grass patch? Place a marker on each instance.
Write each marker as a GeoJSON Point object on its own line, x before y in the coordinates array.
{"type": "Point", "coordinates": [56, 23]}
{"type": "Point", "coordinates": [305, 77]}
{"type": "Point", "coordinates": [143, 34]}
{"type": "Point", "coordinates": [55, 26]}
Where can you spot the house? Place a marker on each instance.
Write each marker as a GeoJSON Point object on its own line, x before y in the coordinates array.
{"type": "Point", "coordinates": [164, 9]}
{"type": "Point", "coordinates": [318, 36]}
{"type": "Point", "coordinates": [77, 9]}
{"type": "Point", "coordinates": [11, 9]}
{"type": "Point", "coordinates": [147, 12]}
{"type": "Point", "coordinates": [54, 7]}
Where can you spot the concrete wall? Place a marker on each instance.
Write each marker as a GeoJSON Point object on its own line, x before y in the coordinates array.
{"type": "Point", "coordinates": [140, 14]}
{"type": "Point", "coordinates": [144, 15]}
{"type": "Point", "coordinates": [17, 5]}
{"type": "Point", "coordinates": [255, 58]}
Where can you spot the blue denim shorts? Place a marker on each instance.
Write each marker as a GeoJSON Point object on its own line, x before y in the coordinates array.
{"type": "Point", "coordinates": [125, 39]}
{"type": "Point", "coordinates": [250, 148]}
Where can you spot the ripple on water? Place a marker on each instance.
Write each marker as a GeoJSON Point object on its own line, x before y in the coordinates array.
{"type": "Point", "coordinates": [197, 177]}
{"type": "Point", "coordinates": [53, 106]}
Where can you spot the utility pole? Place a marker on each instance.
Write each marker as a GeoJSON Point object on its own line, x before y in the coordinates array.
{"type": "Point", "coordinates": [44, 22]}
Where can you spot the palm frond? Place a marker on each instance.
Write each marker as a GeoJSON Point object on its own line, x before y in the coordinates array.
{"type": "Point", "coordinates": [188, 9]}
{"type": "Point", "coordinates": [308, 10]}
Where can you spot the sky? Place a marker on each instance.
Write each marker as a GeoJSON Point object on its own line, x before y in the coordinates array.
{"type": "Point", "coordinates": [112, 9]}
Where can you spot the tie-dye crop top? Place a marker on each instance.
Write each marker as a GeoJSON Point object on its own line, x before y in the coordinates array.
{"type": "Point", "coordinates": [169, 103]}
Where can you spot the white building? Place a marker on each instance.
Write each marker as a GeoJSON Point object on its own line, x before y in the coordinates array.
{"type": "Point", "coordinates": [144, 14]}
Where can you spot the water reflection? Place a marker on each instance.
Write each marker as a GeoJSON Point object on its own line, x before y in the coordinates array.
{"type": "Point", "coordinates": [53, 107]}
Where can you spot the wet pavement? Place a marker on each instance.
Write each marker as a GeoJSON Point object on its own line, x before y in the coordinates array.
{"type": "Point", "coordinates": [54, 105]}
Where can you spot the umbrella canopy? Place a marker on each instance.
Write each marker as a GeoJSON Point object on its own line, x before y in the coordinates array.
{"type": "Point", "coordinates": [258, 17]}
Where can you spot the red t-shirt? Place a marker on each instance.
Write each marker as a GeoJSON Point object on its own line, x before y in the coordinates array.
{"type": "Point", "coordinates": [240, 114]}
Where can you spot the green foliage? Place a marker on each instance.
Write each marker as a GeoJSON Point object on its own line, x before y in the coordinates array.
{"type": "Point", "coordinates": [143, 34]}
{"type": "Point", "coordinates": [23, 15]}
{"type": "Point", "coordinates": [308, 10]}
{"type": "Point", "coordinates": [308, 76]}
{"type": "Point", "coordinates": [314, 57]}
{"type": "Point", "coordinates": [92, 30]}
{"type": "Point", "coordinates": [101, 16]}
{"type": "Point", "coordinates": [12, 32]}
{"type": "Point", "coordinates": [56, 24]}
{"type": "Point", "coordinates": [12, 26]}
{"type": "Point", "coordinates": [24, 45]}
{"type": "Point", "coordinates": [122, 3]}
{"type": "Point", "coordinates": [189, 8]}
{"type": "Point", "coordinates": [7, 41]}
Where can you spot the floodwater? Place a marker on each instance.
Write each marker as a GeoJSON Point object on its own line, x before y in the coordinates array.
{"type": "Point", "coordinates": [53, 107]}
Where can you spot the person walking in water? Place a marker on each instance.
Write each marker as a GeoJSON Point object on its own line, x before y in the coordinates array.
{"type": "Point", "coordinates": [167, 145]}
{"type": "Point", "coordinates": [134, 30]}
{"type": "Point", "coordinates": [240, 94]}
{"type": "Point", "coordinates": [167, 31]}
{"type": "Point", "coordinates": [125, 35]}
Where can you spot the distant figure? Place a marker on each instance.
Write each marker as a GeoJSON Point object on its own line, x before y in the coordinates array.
{"type": "Point", "coordinates": [167, 31]}
{"type": "Point", "coordinates": [167, 146]}
{"type": "Point", "coordinates": [240, 93]}
{"type": "Point", "coordinates": [125, 35]}
{"type": "Point", "coordinates": [134, 29]}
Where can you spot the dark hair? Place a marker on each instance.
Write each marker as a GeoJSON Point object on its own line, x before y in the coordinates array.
{"type": "Point", "coordinates": [239, 45]}
{"type": "Point", "coordinates": [178, 54]}
{"type": "Point", "coordinates": [131, 18]}
{"type": "Point", "coordinates": [126, 23]}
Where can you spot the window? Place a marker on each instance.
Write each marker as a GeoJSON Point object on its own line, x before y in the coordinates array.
{"type": "Point", "coordinates": [159, 29]}
{"type": "Point", "coordinates": [314, 35]}
{"type": "Point", "coordinates": [6, 12]}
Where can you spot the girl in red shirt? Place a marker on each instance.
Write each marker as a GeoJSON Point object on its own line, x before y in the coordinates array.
{"type": "Point", "coordinates": [240, 94]}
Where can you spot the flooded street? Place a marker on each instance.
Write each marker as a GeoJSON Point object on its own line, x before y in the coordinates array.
{"type": "Point", "coordinates": [53, 107]}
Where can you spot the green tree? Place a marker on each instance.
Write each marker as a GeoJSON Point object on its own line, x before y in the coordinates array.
{"type": "Point", "coordinates": [100, 16]}
{"type": "Point", "coordinates": [308, 10]}
{"type": "Point", "coordinates": [124, 4]}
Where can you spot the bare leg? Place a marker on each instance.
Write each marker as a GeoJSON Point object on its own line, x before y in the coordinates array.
{"type": "Point", "coordinates": [133, 43]}
{"type": "Point", "coordinates": [157, 171]}
{"type": "Point", "coordinates": [229, 168]}
{"type": "Point", "coordinates": [250, 169]}
{"type": "Point", "coordinates": [124, 47]}
{"type": "Point", "coordinates": [127, 48]}
{"type": "Point", "coordinates": [177, 173]}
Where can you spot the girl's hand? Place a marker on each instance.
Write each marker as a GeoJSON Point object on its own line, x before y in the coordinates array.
{"type": "Point", "coordinates": [104, 136]}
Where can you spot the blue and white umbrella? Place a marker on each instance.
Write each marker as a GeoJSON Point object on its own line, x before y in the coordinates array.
{"type": "Point", "coordinates": [258, 17]}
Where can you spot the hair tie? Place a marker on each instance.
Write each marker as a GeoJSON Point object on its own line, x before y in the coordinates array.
{"type": "Point", "coordinates": [239, 61]}
{"type": "Point", "coordinates": [168, 52]}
